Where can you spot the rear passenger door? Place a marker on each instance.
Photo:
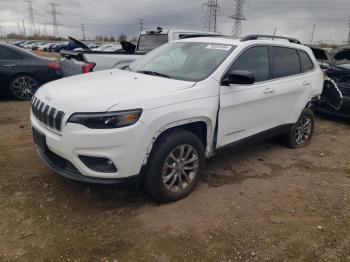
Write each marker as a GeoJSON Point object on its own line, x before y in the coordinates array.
{"type": "Point", "coordinates": [291, 88]}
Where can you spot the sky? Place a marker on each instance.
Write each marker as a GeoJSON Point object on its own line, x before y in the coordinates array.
{"type": "Point", "coordinates": [294, 18]}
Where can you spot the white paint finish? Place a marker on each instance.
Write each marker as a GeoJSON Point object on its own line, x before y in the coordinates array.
{"type": "Point", "coordinates": [166, 103]}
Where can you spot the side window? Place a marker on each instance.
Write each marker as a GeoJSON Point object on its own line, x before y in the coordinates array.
{"type": "Point", "coordinates": [285, 62]}
{"type": "Point", "coordinates": [305, 62]}
{"type": "Point", "coordinates": [7, 54]}
{"type": "Point", "coordinates": [254, 60]}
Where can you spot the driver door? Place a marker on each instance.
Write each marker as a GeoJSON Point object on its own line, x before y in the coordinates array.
{"type": "Point", "coordinates": [247, 109]}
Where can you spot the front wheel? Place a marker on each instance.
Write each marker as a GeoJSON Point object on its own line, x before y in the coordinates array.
{"type": "Point", "coordinates": [302, 131]}
{"type": "Point", "coordinates": [23, 87]}
{"type": "Point", "coordinates": [176, 164]}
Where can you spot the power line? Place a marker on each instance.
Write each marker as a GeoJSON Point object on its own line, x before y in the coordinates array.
{"type": "Point", "coordinates": [212, 7]}
{"type": "Point", "coordinates": [31, 16]}
{"type": "Point", "coordinates": [238, 17]}
{"type": "Point", "coordinates": [54, 14]}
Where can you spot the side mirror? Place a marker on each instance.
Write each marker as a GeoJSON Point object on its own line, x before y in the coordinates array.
{"type": "Point", "coordinates": [239, 77]}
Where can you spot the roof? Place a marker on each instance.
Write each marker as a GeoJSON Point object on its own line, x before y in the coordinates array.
{"type": "Point", "coordinates": [237, 42]}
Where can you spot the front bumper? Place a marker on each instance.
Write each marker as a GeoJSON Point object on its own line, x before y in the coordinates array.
{"type": "Point", "coordinates": [125, 147]}
{"type": "Point", "coordinates": [67, 169]}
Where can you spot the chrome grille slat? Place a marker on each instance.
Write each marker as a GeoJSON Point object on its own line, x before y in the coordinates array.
{"type": "Point", "coordinates": [47, 114]}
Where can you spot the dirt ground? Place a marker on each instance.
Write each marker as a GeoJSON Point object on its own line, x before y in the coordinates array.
{"type": "Point", "coordinates": [263, 203]}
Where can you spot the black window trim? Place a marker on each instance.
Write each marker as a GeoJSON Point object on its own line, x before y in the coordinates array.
{"type": "Point", "coordinates": [270, 63]}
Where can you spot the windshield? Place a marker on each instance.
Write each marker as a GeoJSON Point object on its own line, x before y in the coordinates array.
{"type": "Point", "coordinates": [151, 41]}
{"type": "Point", "coordinates": [183, 60]}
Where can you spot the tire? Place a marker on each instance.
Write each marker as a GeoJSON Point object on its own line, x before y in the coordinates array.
{"type": "Point", "coordinates": [168, 180]}
{"type": "Point", "coordinates": [23, 87]}
{"type": "Point", "coordinates": [302, 131]}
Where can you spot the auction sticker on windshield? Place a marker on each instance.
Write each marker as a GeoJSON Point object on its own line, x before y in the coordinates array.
{"type": "Point", "coordinates": [219, 47]}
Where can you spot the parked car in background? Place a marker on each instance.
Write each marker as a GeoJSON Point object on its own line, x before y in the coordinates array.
{"type": "Point", "coordinates": [28, 44]}
{"type": "Point", "coordinates": [74, 63]}
{"type": "Point", "coordinates": [45, 47]}
{"type": "Point", "coordinates": [18, 43]}
{"type": "Point", "coordinates": [37, 45]}
{"type": "Point", "coordinates": [336, 65]}
{"type": "Point", "coordinates": [114, 48]}
{"type": "Point", "coordinates": [22, 73]}
{"type": "Point", "coordinates": [169, 110]}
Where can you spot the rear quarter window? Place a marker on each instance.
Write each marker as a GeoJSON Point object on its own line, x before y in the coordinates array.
{"type": "Point", "coordinates": [285, 62]}
{"type": "Point", "coordinates": [305, 62]}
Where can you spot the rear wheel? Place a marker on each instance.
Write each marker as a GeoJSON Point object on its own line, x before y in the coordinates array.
{"type": "Point", "coordinates": [175, 166]}
{"type": "Point", "coordinates": [23, 87]}
{"type": "Point", "coordinates": [302, 131]}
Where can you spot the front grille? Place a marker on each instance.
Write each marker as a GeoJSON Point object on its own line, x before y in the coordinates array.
{"type": "Point", "coordinates": [47, 115]}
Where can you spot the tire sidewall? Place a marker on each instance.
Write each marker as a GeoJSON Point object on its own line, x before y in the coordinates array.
{"type": "Point", "coordinates": [153, 181]}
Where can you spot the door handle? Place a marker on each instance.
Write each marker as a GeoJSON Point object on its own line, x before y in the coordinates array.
{"type": "Point", "coordinates": [268, 90]}
{"type": "Point", "coordinates": [306, 83]}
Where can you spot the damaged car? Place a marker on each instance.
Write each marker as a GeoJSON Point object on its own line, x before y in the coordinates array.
{"type": "Point", "coordinates": [158, 120]}
{"type": "Point", "coordinates": [336, 66]}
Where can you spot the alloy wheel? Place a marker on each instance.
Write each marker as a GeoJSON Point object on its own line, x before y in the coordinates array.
{"type": "Point", "coordinates": [24, 87]}
{"type": "Point", "coordinates": [303, 130]}
{"type": "Point", "coordinates": [180, 168]}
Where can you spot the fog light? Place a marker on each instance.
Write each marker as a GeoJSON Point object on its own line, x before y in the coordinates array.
{"type": "Point", "coordinates": [99, 164]}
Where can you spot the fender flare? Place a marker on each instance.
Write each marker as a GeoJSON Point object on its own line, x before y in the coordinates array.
{"type": "Point", "coordinates": [206, 120]}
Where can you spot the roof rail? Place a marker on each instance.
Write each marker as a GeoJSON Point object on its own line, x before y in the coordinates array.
{"type": "Point", "coordinates": [256, 37]}
{"type": "Point", "coordinates": [200, 35]}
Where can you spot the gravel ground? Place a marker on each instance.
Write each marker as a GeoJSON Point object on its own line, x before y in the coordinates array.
{"type": "Point", "coordinates": [263, 203]}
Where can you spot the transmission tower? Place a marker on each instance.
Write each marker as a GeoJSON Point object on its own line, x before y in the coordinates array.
{"type": "Point", "coordinates": [238, 17]}
{"type": "Point", "coordinates": [31, 16]}
{"type": "Point", "coordinates": [53, 12]}
{"type": "Point", "coordinates": [210, 23]}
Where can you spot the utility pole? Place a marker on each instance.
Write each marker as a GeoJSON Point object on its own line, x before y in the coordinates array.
{"type": "Point", "coordinates": [141, 22]}
{"type": "Point", "coordinates": [24, 28]}
{"type": "Point", "coordinates": [31, 15]}
{"type": "Point", "coordinates": [211, 22]}
{"type": "Point", "coordinates": [349, 32]}
{"type": "Point", "coordinates": [53, 12]}
{"type": "Point", "coordinates": [238, 17]}
{"type": "Point", "coordinates": [312, 34]}
{"type": "Point", "coordinates": [83, 30]}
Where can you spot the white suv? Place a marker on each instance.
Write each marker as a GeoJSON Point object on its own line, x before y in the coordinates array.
{"type": "Point", "coordinates": [161, 117]}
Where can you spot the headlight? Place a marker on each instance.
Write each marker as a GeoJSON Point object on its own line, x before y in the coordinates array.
{"type": "Point", "coordinates": [106, 120]}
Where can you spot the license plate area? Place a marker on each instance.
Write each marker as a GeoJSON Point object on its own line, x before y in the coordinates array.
{"type": "Point", "coordinates": [39, 140]}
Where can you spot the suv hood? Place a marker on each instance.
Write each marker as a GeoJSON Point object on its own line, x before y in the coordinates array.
{"type": "Point", "coordinates": [99, 91]}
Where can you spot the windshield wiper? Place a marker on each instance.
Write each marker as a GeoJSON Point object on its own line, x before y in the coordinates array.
{"type": "Point", "coordinates": [153, 73]}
